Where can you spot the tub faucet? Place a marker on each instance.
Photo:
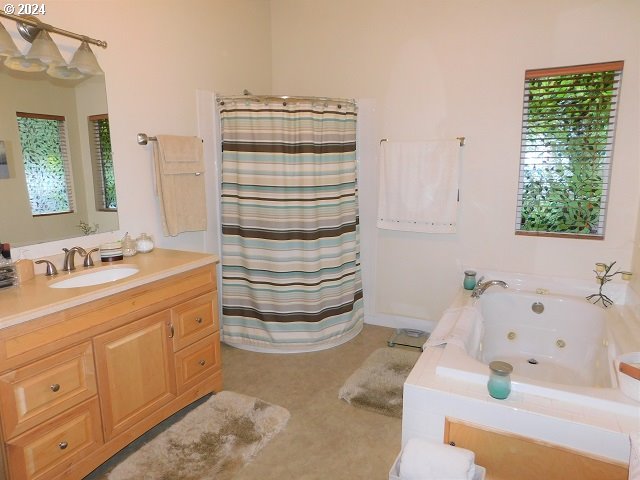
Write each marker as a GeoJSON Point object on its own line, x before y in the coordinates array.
{"type": "Point", "coordinates": [482, 286]}
{"type": "Point", "coordinates": [68, 264]}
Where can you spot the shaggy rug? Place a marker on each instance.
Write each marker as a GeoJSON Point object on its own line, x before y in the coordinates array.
{"type": "Point", "coordinates": [377, 384]}
{"type": "Point", "coordinates": [213, 441]}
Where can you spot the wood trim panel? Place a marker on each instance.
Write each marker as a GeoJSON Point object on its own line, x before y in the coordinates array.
{"type": "Point", "coordinates": [507, 456]}
{"type": "Point", "coordinates": [24, 342]}
{"type": "Point", "coordinates": [575, 69]}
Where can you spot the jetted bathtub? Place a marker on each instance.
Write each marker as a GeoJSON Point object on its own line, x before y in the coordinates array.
{"type": "Point", "coordinates": [561, 347]}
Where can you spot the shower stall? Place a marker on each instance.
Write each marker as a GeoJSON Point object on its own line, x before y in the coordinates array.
{"type": "Point", "coordinates": [291, 279]}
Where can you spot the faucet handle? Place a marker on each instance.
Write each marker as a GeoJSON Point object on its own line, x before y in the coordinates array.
{"type": "Point", "coordinates": [88, 261]}
{"type": "Point", "coordinates": [51, 268]}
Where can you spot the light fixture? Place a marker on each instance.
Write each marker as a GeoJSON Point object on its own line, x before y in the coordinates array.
{"type": "Point", "coordinates": [7, 45]}
{"type": "Point", "coordinates": [44, 54]}
{"type": "Point", "coordinates": [45, 50]}
{"type": "Point", "coordinates": [64, 72]}
{"type": "Point", "coordinates": [85, 61]}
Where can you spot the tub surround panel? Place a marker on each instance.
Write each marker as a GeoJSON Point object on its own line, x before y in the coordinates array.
{"type": "Point", "coordinates": [599, 428]}
{"type": "Point", "coordinates": [74, 384]}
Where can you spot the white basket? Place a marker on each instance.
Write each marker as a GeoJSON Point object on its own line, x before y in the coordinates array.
{"type": "Point", "coordinates": [628, 385]}
{"type": "Point", "coordinates": [394, 473]}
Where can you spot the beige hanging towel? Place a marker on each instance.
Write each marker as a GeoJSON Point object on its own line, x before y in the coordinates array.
{"type": "Point", "coordinates": [179, 168]}
{"type": "Point", "coordinates": [418, 186]}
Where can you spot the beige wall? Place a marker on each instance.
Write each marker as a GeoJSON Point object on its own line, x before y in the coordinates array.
{"type": "Point", "coordinates": [432, 69]}
{"type": "Point", "coordinates": [439, 69]}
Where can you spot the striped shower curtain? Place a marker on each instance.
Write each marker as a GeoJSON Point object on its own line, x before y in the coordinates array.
{"type": "Point", "coordinates": [290, 239]}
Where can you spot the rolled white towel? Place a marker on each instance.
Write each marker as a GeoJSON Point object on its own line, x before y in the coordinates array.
{"type": "Point", "coordinates": [426, 460]}
{"type": "Point", "coordinates": [634, 456]}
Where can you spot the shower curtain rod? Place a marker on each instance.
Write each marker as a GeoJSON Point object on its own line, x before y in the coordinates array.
{"type": "Point", "coordinates": [285, 98]}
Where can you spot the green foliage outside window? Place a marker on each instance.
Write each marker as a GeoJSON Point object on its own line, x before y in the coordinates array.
{"type": "Point", "coordinates": [106, 158]}
{"type": "Point", "coordinates": [566, 143]}
{"type": "Point", "coordinates": [44, 165]}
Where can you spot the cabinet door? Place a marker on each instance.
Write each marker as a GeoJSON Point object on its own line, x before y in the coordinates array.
{"type": "Point", "coordinates": [507, 456]}
{"type": "Point", "coordinates": [136, 371]}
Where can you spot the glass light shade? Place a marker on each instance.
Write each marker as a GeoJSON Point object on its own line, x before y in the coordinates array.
{"type": "Point", "coordinates": [85, 61]}
{"type": "Point", "coordinates": [23, 64]}
{"type": "Point", "coordinates": [45, 50]}
{"type": "Point", "coordinates": [7, 45]}
{"type": "Point", "coordinates": [65, 73]}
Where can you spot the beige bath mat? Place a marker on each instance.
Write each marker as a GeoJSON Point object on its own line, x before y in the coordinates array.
{"type": "Point", "coordinates": [377, 384]}
{"type": "Point", "coordinates": [213, 441]}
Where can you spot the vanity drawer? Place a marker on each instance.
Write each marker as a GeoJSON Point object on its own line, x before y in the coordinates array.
{"type": "Point", "coordinates": [197, 361]}
{"type": "Point", "coordinates": [43, 389]}
{"type": "Point", "coordinates": [49, 449]}
{"type": "Point", "coordinates": [194, 320]}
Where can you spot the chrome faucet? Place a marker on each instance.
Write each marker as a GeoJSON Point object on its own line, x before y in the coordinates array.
{"type": "Point", "coordinates": [68, 264]}
{"type": "Point", "coordinates": [482, 286]}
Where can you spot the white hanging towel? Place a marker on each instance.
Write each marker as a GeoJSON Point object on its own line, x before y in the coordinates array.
{"type": "Point", "coordinates": [179, 169]}
{"type": "Point", "coordinates": [419, 186]}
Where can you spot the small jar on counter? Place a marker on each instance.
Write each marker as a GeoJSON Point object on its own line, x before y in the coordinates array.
{"type": "Point", "coordinates": [469, 282]}
{"type": "Point", "coordinates": [144, 244]}
{"type": "Point", "coordinates": [499, 384]}
{"type": "Point", "coordinates": [128, 246]}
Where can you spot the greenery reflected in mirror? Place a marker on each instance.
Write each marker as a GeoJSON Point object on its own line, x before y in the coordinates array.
{"type": "Point", "coordinates": [49, 125]}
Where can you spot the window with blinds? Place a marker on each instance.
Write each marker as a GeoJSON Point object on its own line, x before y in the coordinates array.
{"type": "Point", "coordinates": [104, 183]}
{"type": "Point", "coordinates": [47, 169]}
{"type": "Point", "coordinates": [568, 127]}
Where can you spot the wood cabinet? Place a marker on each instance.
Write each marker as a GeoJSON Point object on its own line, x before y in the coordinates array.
{"type": "Point", "coordinates": [78, 385]}
{"type": "Point", "coordinates": [507, 456]}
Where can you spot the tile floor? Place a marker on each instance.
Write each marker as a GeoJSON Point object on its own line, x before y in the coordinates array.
{"type": "Point", "coordinates": [326, 438]}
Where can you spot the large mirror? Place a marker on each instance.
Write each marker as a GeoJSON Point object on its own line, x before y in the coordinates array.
{"type": "Point", "coordinates": [79, 110]}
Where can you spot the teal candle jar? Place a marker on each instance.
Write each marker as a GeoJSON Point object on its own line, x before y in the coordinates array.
{"type": "Point", "coordinates": [469, 282]}
{"type": "Point", "coordinates": [499, 384]}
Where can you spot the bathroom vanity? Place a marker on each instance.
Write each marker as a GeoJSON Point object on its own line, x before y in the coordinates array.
{"type": "Point", "coordinates": [86, 370]}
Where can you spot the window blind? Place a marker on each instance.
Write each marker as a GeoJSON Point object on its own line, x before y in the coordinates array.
{"type": "Point", "coordinates": [568, 126]}
{"type": "Point", "coordinates": [103, 179]}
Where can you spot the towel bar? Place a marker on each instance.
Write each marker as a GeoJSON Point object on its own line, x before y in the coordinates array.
{"type": "Point", "coordinates": [143, 139]}
{"type": "Point", "coordinates": [460, 139]}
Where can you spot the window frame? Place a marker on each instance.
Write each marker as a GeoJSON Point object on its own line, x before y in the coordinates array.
{"type": "Point", "coordinates": [65, 158]}
{"type": "Point", "coordinates": [98, 162]}
{"type": "Point", "coordinates": [604, 183]}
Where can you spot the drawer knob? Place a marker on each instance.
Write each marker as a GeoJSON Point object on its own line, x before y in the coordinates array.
{"type": "Point", "coordinates": [199, 319]}
{"type": "Point", "coordinates": [202, 362]}
{"type": "Point", "coordinates": [63, 445]}
{"type": "Point", "coordinates": [55, 387]}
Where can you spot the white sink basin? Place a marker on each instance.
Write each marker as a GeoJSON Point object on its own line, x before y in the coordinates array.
{"type": "Point", "coordinates": [96, 277]}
